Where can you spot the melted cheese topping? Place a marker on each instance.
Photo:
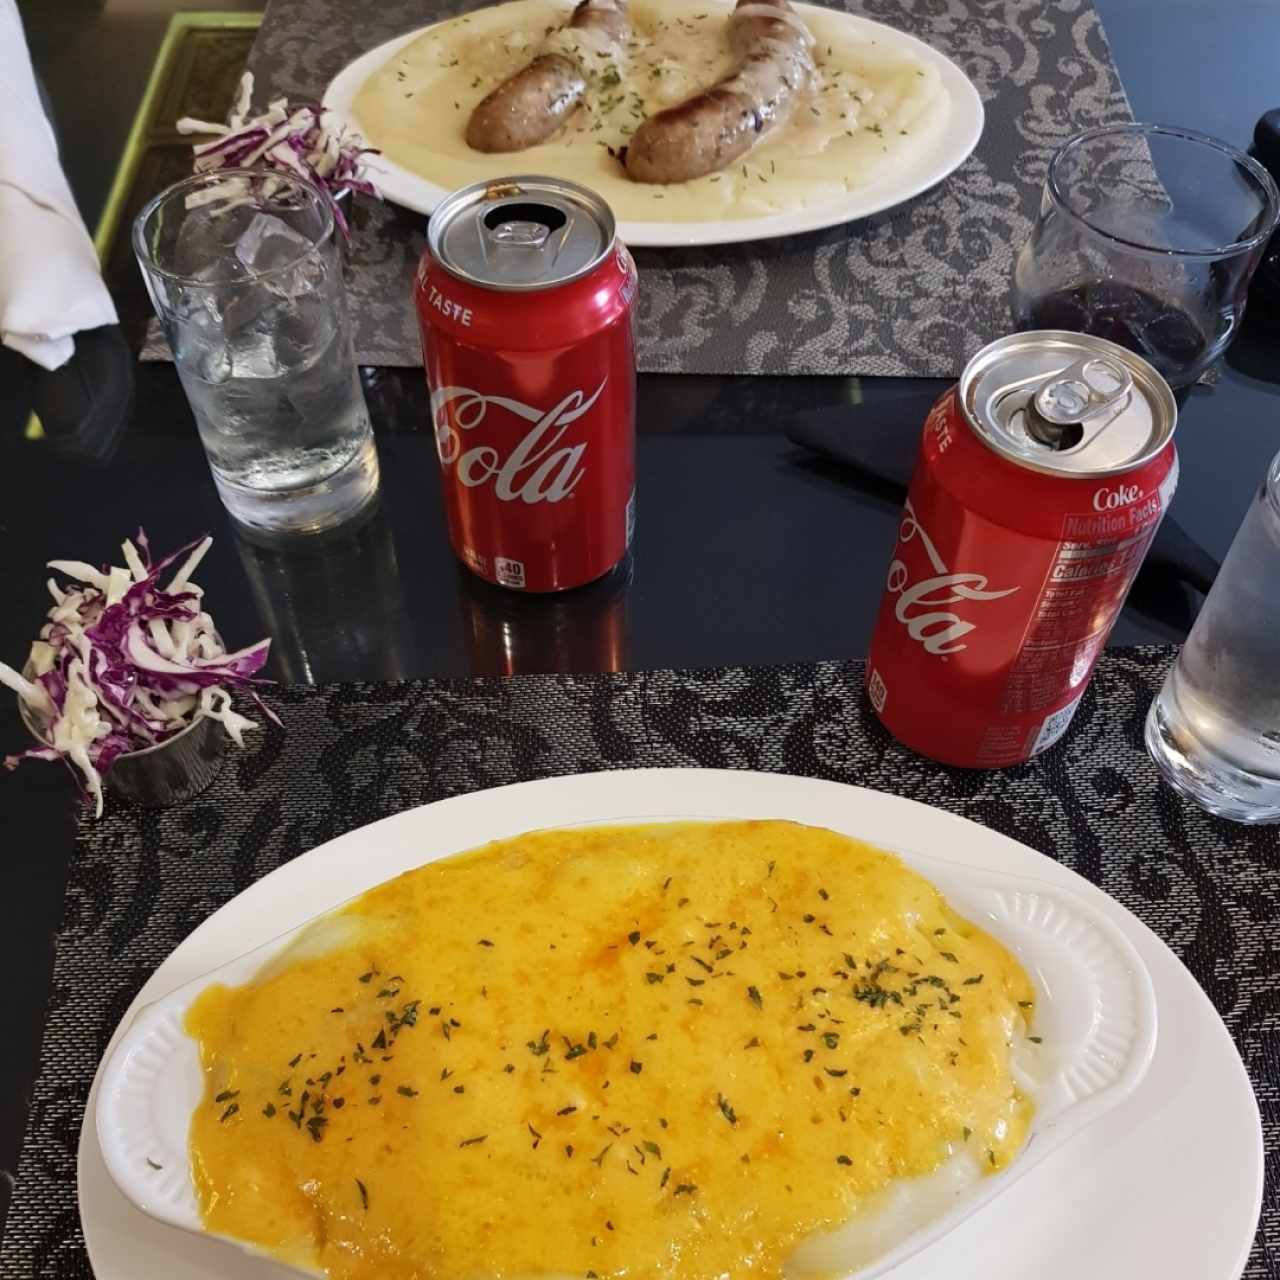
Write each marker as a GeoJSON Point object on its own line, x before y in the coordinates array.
{"type": "Point", "coordinates": [873, 106]}
{"type": "Point", "coordinates": [663, 1051]}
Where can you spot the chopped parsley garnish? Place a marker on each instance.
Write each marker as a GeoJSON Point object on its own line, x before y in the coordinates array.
{"type": "Point", "coordinates": [873, 994]}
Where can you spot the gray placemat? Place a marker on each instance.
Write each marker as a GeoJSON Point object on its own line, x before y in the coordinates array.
{"type": "Point", "coordinates": [912, 292]}
{"type": "Point", "coordinates": [141, 879]}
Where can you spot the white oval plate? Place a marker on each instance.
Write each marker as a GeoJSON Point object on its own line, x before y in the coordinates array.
{"type": "Point", "coordinates": [945, 153]}
{"type": "Point", "coordinates": [1168, 1183]}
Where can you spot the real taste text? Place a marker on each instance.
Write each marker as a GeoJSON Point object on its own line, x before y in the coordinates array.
{"type": "Point", "coordinates": [448, 307]}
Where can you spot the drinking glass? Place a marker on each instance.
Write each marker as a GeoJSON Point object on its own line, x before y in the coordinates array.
{"type": "Point", "coordinates": [246, 278]}
{"type": "Point", "coordinates": [1214, 728]}
{"type": "Point", "coordinates": [1148, 236]}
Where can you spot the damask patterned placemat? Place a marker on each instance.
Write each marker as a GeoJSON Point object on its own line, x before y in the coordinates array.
{"type": "Point", "coordinates": [142, 880]}
{"type": "Point", "coordinates": [913, 292]}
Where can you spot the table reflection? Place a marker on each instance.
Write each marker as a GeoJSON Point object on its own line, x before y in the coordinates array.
{"type": "Point", "coordinates": [334, 606]}
{"type": "Point", "coordinates": [508, 633]}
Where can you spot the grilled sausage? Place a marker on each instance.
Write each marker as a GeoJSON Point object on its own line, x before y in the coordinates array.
{"type": "Point", "coordinates": [713, 128]}
{"type": "Point", "coordinates": [528, 107]}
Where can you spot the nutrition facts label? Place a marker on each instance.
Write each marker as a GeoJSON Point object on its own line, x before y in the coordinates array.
{"type": "Point", "coordinates": [1084, 588]}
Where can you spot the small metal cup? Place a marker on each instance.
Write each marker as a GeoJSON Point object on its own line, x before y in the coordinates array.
{"type": "Point", "coordinates": [170, 772]}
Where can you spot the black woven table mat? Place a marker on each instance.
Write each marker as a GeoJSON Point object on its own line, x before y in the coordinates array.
{"type": "Point", "coordinates": [141, 881]}
{"type": "Point", "coordinates": [914, 291]}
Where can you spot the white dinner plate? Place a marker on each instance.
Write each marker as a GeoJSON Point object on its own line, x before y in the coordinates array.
{"type": "Point", "coordinates": [946, 152]}
{"type": "Point", "coordinates": [1167, 1184]}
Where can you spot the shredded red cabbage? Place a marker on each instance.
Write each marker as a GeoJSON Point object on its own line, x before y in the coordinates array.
{"type": "Point", "coordinates": [291, 139]}
{"type": "Point", "coordinates": [123, 663]}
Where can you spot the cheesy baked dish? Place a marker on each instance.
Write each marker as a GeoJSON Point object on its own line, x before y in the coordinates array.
{"type": "Point", "coordinates": [676, 1050]}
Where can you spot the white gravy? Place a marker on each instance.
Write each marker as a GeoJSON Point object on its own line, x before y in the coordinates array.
{"type": "Point", "coordinates": [874, 105]}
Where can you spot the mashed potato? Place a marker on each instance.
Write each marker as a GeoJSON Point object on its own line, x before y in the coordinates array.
{"type": "Point", "coordinates": [874, 107]}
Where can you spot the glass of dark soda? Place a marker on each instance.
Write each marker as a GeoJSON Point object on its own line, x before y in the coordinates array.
{"type": "Point", "coordinates": [1148, 236]}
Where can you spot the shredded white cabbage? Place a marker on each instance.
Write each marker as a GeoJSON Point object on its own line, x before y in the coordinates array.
{"type": "Point", "coordinates": [122, 664]}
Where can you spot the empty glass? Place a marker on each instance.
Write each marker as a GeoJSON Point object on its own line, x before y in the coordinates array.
{"type": "Point", "coordinates": [1147, 236]}
{"type": "Point", "coordinates": [247, 281]}
{"type": "Point", "coordinates": [1214, 729]}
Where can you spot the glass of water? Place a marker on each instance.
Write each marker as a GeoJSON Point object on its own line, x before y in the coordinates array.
{"type": "Point", "coordinates": [246, 277]}
{"type": "Point", "coordinates": [1214, 729]}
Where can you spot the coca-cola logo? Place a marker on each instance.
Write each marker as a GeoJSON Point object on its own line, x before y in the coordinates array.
{"type": "Point", "coordinates": [1109, 499]}
{"type": "Point", "coordinates": [538, 469]}
{"type": "Point", "coordinates": [920, 605]}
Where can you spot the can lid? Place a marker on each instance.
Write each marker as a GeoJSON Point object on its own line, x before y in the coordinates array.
{"type": "Point", "coordinates": [1067, 403]}
{"type": "Point", "coordinates": [521, 233]}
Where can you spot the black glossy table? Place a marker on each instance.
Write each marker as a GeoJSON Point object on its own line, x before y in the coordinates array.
{"type": "Point", "coordinates": [748, 550]}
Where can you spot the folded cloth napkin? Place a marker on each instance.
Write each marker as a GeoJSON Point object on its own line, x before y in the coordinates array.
{"type": "Point", "coordinates": [50, 283]}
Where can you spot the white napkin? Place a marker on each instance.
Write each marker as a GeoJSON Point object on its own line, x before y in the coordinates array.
{"type": "Point", "coordinates": [50, 283]}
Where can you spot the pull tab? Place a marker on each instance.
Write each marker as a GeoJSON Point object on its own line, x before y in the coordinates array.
{"type": "Point", "coordinates": [1061, 406]}
{"type": "Point", "coordinates": [522, 235]}
{"type": "Point", "coordinates": [520, 240]}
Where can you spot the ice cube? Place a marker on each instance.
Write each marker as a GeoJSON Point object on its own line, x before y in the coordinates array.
{"type": "Point", "coordinates": [269, 243]}
{"type": "Point", "coordinates": [305, 330]}
{"type": "Point", "coordinates": [1173, 341]}
{"type": "Point", "coordinates": [253, 350]}
{"type": "Point", "coordinates": [286, 260]}
{"type": "Point", "coordinates": [203, 249]}
{"type": "Point", "coordinates": [201, 348]}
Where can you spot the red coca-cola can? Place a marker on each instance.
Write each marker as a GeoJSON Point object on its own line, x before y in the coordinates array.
{"type": "Point", "coordinates": [1042, 477]}
{"type": "Point", "coordinates": [524, 301]}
